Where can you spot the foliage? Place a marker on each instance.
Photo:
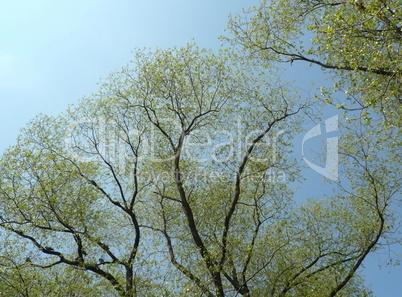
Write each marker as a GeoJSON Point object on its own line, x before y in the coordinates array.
{"type": "Point", "coordinates": [359, 42]}
{"type": "Point", "coordinates": [175, 179]}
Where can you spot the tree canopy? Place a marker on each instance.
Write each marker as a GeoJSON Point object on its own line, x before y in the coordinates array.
{"type": "Point", "coordinates": [177, 177]}
{"type": "Point", "coordinates": [359, 42]}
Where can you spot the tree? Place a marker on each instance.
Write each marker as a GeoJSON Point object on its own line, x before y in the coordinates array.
{"type": "Point", "coordinates": [19, 277]}
{"type": "Point", "coordinates": [358, 42]}
{"type": "Point", "coordinates": [358, 45]}
{"type": "Point", "coordinates": [176, 179]}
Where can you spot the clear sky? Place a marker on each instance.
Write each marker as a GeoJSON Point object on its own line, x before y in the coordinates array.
{"type": "Point", "coordinates": [52, 53]}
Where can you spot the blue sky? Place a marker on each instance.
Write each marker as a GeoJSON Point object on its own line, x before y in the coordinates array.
{"type": "Point", "coordinates": [52, 53]}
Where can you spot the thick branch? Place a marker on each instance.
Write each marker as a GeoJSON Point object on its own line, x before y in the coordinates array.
{"type": "Point", "coordinates": [300, 57]}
